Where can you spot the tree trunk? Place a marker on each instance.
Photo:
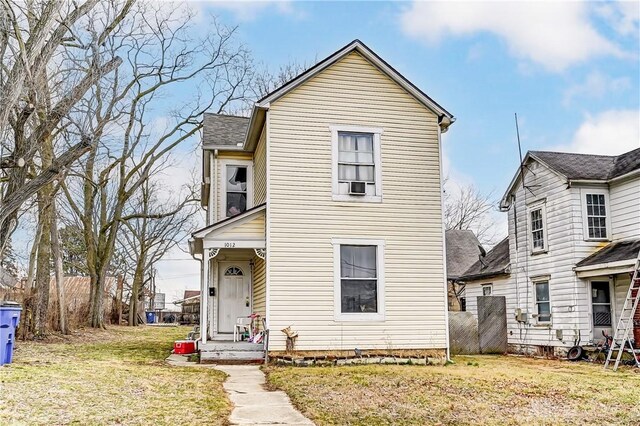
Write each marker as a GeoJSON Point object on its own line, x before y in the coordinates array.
{"type": "Point", "coordinates": [96, 306]}
{"type": "Point", "coordinates": [59, 273]}
{"type": "Point", "coordinates": [43, 264]}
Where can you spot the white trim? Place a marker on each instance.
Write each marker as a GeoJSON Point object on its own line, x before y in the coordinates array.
{"type": "Point", "coordinates": [267, 260]}
{"type": "Point", "coordinates": [542, 206]}
{"type": "Point", "coordinates": [372, 58]}
{"type": "Point", "coordinates": [377, 161]}
{"type": "Point", "coordinates": [222, 214]}
{"type": "Point", "coordinates": [204, 300]}
{"type": "Point", "coordinates": [534, 281]}
{"type": "Point", "coordinates": [339, 316]}
{"type": "Point", "coordinates": [583, 207]}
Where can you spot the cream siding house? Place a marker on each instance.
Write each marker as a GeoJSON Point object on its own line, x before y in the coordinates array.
{"type": "Point", "coordinates": [325, 212]}
{"type": "Point", "coordinates": [574, 235]}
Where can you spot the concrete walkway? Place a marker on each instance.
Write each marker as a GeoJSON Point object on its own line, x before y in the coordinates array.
{"type": "Point", "coordinates": [254, 405]}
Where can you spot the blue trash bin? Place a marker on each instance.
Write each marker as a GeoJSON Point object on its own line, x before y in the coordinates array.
{"type": "Point", "coordinates": [9, 319]}
{"type": "Point", "coordinates": [151, 317]}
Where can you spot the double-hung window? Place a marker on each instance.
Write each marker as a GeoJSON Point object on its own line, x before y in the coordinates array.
{"type": "Point", "coordinates": [237, 187]}
{"type": "Point", "coordinates": [543, 303]}
{"type": "Point", "coordinates": [357, 174]}
{"type": "Point", "coordinates": [596, 214]}
{"type": "Point", "coordinates": [359, 276]}
{"type": "Point", "coordinates": [537, 228]}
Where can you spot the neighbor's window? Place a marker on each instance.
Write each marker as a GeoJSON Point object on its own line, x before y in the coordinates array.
{"type": "Point", "coordinates": [236, 187]}
{"type": "Point", "coordinates": [487, 289]}
{"type": "Point", "coordinates": [356, 168]}
{"type": "Point", "coordinates": [358, 279]}
{"type": "Point", "coordinates": [543, 304]}
{"type": "Point", "coordinates": [596, 216]}
{"type": "Point", "coordinates": [537, 229]}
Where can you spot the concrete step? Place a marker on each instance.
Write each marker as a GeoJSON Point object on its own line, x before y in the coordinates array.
{"type": "Point", "coordinates": [230, 346]}
{"type": "Point", "coordinates": [228, 356]}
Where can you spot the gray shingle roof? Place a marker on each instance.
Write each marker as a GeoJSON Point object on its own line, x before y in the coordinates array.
{"type": "Point", "coordinates": [614, 252]}
{"type": "Point", "coordinates": [223, 130]}
{"type": "Point", "coordinates": [463, 249]}
{"type": "Point", "coordinates": [496, 262]}
{"type": "Point", "coordinates": [590, 167]}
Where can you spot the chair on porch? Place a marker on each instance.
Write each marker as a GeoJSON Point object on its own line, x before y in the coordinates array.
{"type": "Point", "coordinates": [242, 324]}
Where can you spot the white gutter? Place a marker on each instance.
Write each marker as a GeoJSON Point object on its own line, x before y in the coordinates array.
{"type": "Point", "coordinates": [617, 264]}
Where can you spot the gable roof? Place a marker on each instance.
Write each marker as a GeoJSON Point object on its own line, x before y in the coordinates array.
{"type": "Point", "coordinates": [589, 167]}
{"type": "Point", "coordinates": [200, 233]}
{"type": "Point", "coordinates": [580, 167]}
{"type": "Point", "coordinates": [191, 293]}
{"type": "Point", "coordinates": [496, 262]}
{"type": "Point", "coordinates": [463, 249]}
{"type": "Point", "coordinates": [358, 46]}
{"type": "Point", "coordinates": [224, 130]}
{"type": "Point", "coordinates": [614, 252]}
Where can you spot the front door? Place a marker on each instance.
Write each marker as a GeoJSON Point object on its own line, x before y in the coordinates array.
{"type": "Point", "coordinates": [601, 308]}
{"type": "Point", "coordinates": [235, 295]}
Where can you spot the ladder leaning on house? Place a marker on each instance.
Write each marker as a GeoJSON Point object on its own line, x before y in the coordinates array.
{"type": "Point", "coordinates": [622, 337]}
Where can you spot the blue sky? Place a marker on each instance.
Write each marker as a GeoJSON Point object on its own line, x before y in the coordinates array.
{"type": "Point", "coordinates": [570, 70]}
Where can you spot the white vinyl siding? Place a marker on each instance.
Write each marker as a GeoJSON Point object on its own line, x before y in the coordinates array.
{"type": "Point", "coordinates": [260, 170]}
{"type": "Point", "coordinates": [303, 217]}
{"type": "Point", "coordinates": [259, 286]}
{"type": "Point", "coordinates": [625, 209]}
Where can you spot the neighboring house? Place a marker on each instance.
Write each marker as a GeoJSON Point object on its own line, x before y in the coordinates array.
{"type": "Point", "coordinates": [189, 307]}
{"type": "Point", "coordinates": [487, 276]}
{"type": "Point", "coordinates": [463, 250]}
{"type": "Point", "coordinates": [324, 212]}
{"type": "Point", "coordinates": [574, 235]}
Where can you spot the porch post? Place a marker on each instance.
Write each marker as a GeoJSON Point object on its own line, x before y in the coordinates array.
{"type": "Point", "coordinates": [204, 295]}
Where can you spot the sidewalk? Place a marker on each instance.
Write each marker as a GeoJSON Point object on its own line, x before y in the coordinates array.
{"type": "Point", "coordinates": [254, 405]}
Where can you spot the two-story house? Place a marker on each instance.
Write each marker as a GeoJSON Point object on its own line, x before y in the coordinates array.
{"type": "Point", "coordinates": [324, 212]}
{"type": "Point", "coordinates": [574, 236]}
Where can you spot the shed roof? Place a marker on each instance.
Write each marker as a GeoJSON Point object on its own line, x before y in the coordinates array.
{"type": "Point", "coordinates": [614, 252]}
{"type": "Point", "coordinates": [496, 262]}
{"type": "Point", "coordinates": [224, 130]}
{"type": "Point", "coordinates": [191, 293]}
{"type": "Point", "coordinates": [463, 249]}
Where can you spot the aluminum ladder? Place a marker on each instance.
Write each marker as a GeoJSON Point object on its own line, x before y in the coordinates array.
{"type": "Point", "coordinates": [622, 337]}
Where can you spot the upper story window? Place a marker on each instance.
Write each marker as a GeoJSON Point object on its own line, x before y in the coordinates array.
{"type": "Point", "coordinates": [236, 187]}
{"type": "Point", "coordinates": [236, 190]}
{"type": "Point", "coordinates": [359, 280]}
{"type": "Point", "coordinates": [357, 174]}
{"type": "Point", "coordinates": [487, 289]}
{"type": "Point", "coordinates": [537, 225]}
{"type": "Point", "coordinates": [596, 216]}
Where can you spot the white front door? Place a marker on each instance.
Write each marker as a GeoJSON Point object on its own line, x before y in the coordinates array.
{"type": "Point", "coordinates": [235, 294]}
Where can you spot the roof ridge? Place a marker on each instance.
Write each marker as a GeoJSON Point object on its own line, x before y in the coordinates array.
{"type": "Point", "coordinates": [576, 153]}
{"type": "Point", "coordinates": [226, 115]}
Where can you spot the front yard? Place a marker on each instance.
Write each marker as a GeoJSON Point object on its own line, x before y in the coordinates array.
{"type": "Point", "coordinates": [117, 376]}
{"type": "Point", "coordinates": [474, 390]}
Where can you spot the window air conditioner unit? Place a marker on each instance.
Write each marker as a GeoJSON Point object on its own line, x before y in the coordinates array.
{"type": "Point", "coordinates": [357, 188]}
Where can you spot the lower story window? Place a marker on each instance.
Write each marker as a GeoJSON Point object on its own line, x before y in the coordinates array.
{"type": "Point", "coordinates": [543, 304]}
{"type": "Point", "coordinates": [359, 281]}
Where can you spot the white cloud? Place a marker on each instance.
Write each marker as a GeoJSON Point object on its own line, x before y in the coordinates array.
{"type": "Point", "coordinates": [555, 35]}
{"type": "Point", "coordinates": [622, 16]}
{"type": "Point", "coordinates": [247, 10]}
{"type": "Point", "coordinates": [608, 133]}
{"type": "Point", "coordinates": [595, 86]}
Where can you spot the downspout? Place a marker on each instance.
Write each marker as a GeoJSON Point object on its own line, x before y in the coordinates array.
{"type": "Point", "coordinates": [444, 247]}
{"type": "Point", "coordinates": [201, 283]}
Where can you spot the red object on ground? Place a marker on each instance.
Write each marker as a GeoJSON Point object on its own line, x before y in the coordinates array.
{"type": "Point", "coordinates": [184, 347]}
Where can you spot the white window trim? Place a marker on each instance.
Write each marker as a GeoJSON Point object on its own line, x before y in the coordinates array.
{"type": "Point", "coordinates": [490, 285]}
{"type": "Point", "coordinates": [534, 281]}
{"type": "Point", "coordinates": [583, 207]}
{"type": "Point", "coordinates": [223, 184]}
{"type": "Point", "coordinates": [338, 314]}
{"type": "Point", "coordinates": [542, 205]}
{"type": "Point", "coordinates": [377, 159]}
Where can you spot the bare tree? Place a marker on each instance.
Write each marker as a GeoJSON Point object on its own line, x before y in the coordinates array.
{"type": "Point", "coordinates": [465, 207]}
{"type": "Point", "coordinates": [159, 56]}
{"type": "Point", "coordinates": [40, 88]}
{"type": "Point", "coordinates": [158, 227]}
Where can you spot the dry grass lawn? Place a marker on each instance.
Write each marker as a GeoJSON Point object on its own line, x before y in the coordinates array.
{"type": "Point", "coordinates": [116, 376]}
{"type": "Point", "coordinates": [475, 390]}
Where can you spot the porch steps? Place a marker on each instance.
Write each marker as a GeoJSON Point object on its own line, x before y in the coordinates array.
{"type": "Point", "coordinates": [220, 352]}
